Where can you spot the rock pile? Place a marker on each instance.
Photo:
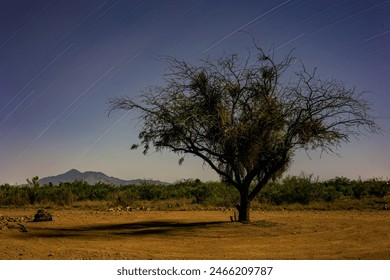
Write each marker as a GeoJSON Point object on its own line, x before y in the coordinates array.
{"type": "Point", "coordinates": [42, 216]}
{"type": "Point", "coordinates": [128, 209]}
{"type": "Point", "coordinates": [13, 223]}
{"type": "Point", "coordinates": [14, 219]}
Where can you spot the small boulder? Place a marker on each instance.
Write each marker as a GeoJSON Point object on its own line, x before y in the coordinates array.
{"type": "Point", "coordinates": [42, 216]}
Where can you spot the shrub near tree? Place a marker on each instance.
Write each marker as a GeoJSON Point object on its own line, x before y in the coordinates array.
{"type": "Point", "coordinates": [244, 118]}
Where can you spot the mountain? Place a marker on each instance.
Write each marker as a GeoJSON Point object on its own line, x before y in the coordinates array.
{"type": "Point", "coordinates": [92, 177]}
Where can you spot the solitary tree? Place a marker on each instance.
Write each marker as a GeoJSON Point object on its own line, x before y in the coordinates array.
{"type": "Point", "coordinates": [246, 118]}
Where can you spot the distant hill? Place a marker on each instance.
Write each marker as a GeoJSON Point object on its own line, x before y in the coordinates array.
{"type": "Point", "coordinates": [92, 177]}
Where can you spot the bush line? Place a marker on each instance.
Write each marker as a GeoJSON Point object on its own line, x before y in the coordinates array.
{"type": "Point", "coordinates": [301, 190]}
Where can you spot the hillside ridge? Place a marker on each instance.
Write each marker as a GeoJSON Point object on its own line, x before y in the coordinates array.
{"type": "Point", "coordinates": [93, 177]}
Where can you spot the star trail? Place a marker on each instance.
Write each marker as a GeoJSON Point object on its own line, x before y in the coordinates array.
{"type": "Point", "coordinates": [60, 62]}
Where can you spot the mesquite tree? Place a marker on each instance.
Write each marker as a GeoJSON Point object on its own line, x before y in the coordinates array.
{"type": "Point", "coordinates": [246, 118]}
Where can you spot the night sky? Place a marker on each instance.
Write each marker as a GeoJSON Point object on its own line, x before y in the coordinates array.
{"type": "Point", "coordinates": [61, 60]}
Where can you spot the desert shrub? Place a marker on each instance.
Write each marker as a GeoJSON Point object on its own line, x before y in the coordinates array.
{"type": "Point", "coordinates": [330, 194]}
{"type": "Point", "coordinates": [124, 197]}
{"type": "Point", "coordinates": [303, 190]}
{"type": "Point", "coordinates": [376, 187]}
{"type": "Point", "coordinates": [272, 193]}
{"type": "Point", "coordinates": [64, 196]}
{"type": "Point", "coordinates": [224, 195]}
{"type": "Point", "coordinates": [291, 189]}
{"type": "Point", "coordinates": [2, 195]}
{"type": "Point", "coordinates": [153, 192]}
{"type": "Point", "coordinates": [202, 193]}
{"type": "Point", "coordinates": [14, 196]}
{"type": "Point", "coordinates": [358, 189]}
{"type": "Point", "coordinates": [180, 191]}
{"type": "Point", "coordinates": [340, 184]}
{"type": "Point", "coordinates": [99, 191]}
{"type": "Point", "coordinates": [210, 193]}
{"type": "Point", "coordinates": [300, 190]}
{"type": "Point", "coordinates": [83, 191]}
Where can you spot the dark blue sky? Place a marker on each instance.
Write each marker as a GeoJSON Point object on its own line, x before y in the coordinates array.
{"type": "Point", "coordinates": [60, 61]}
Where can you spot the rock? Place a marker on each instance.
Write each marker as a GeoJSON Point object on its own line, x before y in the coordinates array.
{"type": "Point", "coordinates": [42, 216]}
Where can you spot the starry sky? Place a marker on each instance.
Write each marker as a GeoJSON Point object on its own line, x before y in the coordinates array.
{"type": "Point", "coordinates": [61, 60]}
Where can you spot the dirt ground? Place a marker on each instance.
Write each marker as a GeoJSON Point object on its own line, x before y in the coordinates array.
{"type": "Point", "coordinates": [143, 235]}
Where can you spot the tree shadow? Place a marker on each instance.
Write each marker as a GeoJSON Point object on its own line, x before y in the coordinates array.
{"type": "Point", "coordinates": [123, 229]}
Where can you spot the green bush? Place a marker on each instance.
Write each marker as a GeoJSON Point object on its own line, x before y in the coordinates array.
{"type": "Point", "coordinates": [378, 188]}
{"type": "Point", "coordinates": [341, 185]}
{"type": "Point", "coordinates": [202, 193]}
{"type": "Point", "coordinates": [293, 189]}
{"type": "Point", "coordinates": [14, 196]}
{"type": "Point", "coordinates": [290, 190]}
{"type": "Point", "coordinates": [358, 189]}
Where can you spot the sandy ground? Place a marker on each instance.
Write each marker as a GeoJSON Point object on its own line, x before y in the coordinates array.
{"type": "Point", "coordinates": [143, 235]}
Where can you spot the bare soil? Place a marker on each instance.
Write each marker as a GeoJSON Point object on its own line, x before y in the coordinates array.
{"type": "Point", "coordinates": [142, 235]}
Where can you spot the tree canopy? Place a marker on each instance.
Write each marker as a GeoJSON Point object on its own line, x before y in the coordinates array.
{"type": "Point", "coordinates": [247, 117]}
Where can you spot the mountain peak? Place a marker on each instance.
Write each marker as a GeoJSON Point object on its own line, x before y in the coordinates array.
{"type": "Point", "coordinates": [92, 177]}
{"type": "Point", "coordinates": [73, 171]}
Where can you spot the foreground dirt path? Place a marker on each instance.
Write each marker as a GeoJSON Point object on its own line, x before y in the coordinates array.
{"type": "Point", "coordinates": [80, 234]}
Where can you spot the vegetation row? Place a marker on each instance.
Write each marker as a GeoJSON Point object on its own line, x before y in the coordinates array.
{"type": "Point", "coordinates": [301, 190]}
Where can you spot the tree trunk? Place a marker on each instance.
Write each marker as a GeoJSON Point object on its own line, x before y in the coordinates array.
{"type": "Point", "coordinates": [243, 208]}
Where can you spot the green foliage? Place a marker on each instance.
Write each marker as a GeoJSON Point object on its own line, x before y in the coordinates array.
{"type": "Point", "coordinates": [341, 185]}
{"type": "Point", "coordinates": [378, 188]}
{"type": "Point", "coordinates": [201, 192]}
{"type": "Point", "coordinates": [13, 196]}
{"type": "Point", "coordinates": [301, 190]}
